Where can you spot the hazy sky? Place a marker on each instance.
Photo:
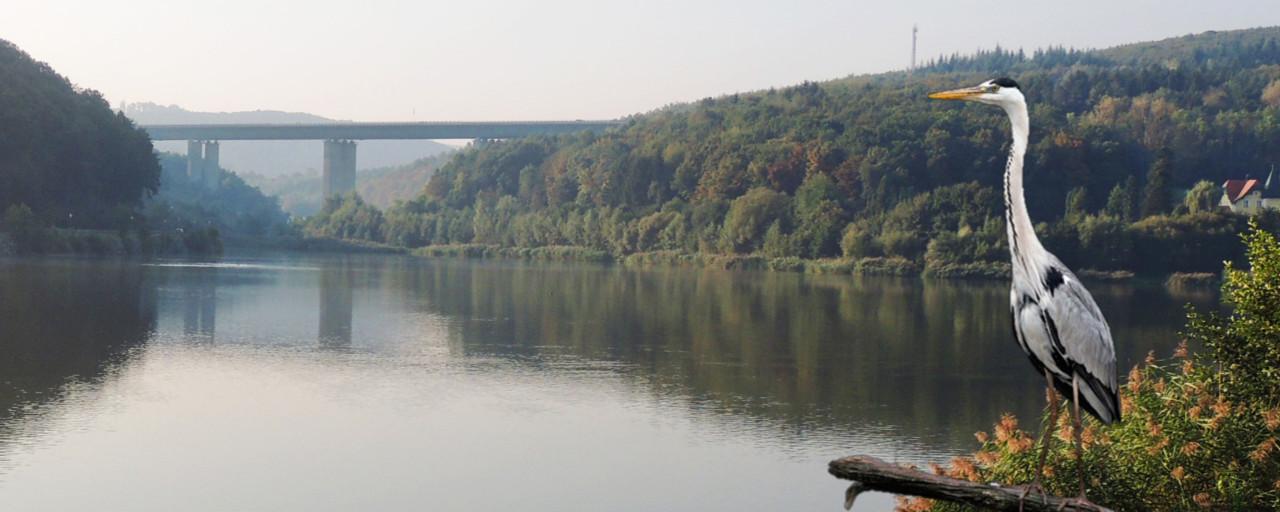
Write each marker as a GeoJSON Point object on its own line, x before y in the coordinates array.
{"type": "Point", "coordinates": [373, 60]}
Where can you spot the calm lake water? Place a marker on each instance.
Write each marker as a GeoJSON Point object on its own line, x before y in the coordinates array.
{"type": "Point", "coordinates": [292, 382]}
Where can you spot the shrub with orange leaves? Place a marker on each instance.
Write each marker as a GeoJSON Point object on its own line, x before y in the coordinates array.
{"type": "Point", "coordinates": [1271, 417]}
{"type": "Point", "coordinates": [1199, 430]}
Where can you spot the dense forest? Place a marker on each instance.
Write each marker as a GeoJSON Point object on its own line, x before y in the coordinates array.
{"type": "Point", "coordinates": [66, 159]}
{"type": "Point", "coordinates": [867, 168]}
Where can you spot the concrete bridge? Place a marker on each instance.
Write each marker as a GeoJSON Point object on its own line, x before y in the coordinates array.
{"type": "Point", "coordinates": [339, 146]}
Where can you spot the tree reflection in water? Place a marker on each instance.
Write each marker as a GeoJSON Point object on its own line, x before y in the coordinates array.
{"type": "Point", "coordinates": [66, 322]}
{"type": "Point", "coordinates": [925, 359]}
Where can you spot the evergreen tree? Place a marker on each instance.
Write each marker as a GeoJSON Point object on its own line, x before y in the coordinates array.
{"type": "Point", "coordinates": [1155, 197]}
{"type": "Point", "coordinates": [1120, 201]}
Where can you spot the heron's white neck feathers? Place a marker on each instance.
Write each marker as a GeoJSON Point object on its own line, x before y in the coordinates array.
{"type": "Point", "coordinates": [1023, 243]}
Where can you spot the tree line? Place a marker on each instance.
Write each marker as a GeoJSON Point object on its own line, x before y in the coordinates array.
{"type": "Point", "coordinates": [867, 167]}
{"type": "Point", "coordinates": [66, 158]}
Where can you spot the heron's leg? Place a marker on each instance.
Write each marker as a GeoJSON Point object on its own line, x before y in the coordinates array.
{"type": "Point", "coordinates": [1052, 397]}
{"type": "Point", "coordinates": [1075, 419]}
{"type": "Point", "coordinates": [1045, 438]}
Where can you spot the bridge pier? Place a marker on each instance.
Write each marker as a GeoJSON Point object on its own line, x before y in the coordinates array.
{"type": "Point", "coordinates": [339, 167]}
{"type": "Point", "coordinates": [210, 180]}
{"type": "Point", "coordinates": [195, 161]}
{"type": "Point", "coordinates": [202, 163]}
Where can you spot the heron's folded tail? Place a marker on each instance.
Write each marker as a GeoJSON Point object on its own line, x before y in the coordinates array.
{"type": "Point", "coordinates": [1098, 399]}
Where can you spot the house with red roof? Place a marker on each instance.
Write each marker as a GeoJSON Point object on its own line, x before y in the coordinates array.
{"type": "Point", "coordinates": [1251, 195]}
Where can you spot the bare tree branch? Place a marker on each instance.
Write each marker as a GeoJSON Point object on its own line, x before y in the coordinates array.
{"type": "Point", "coordinates": [872, 474]}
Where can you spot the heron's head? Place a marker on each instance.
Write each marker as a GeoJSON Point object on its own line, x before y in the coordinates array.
{"type": "Point", "coordinates": [1000, 91]}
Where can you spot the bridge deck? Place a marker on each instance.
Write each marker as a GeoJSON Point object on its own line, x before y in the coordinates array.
{"type": "Point", "coordinates": [371, 131]}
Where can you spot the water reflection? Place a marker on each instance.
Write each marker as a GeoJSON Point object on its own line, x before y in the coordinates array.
{"type": "Point", "coordinates": [414, 373]}
{"type": "Point", "coordinates": [66, 323]}
{"type": "Point", "coordinates": [200, 306]}
{"type": "Point", "coordinates": [926, 360]}
{"type": "Point", "coordinates": [336, 305]}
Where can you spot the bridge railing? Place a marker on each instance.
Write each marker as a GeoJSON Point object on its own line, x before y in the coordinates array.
{"type": "Point", "coordinates": [373, 131]}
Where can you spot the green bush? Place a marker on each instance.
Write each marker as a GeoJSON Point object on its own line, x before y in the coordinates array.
{"type": "Point", "coordinates": [23, 227]}
{"type": "Point", "coordinates": [749, 217]}
{"type": "Point", "coordinates": [890, 266]}
{"type": "Point", "coordinates": [857, 241]}
{"type": "Point", "coordinates": [202, 241]}
{"type": "Point", "coordinates": [349, 218]}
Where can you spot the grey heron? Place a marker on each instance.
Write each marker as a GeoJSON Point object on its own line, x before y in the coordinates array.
{"type": "Point", "coordinates": [1055, 320]}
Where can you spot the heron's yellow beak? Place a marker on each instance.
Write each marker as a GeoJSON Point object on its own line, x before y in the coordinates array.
{"type": "Point", "coordinates": [957, 94]}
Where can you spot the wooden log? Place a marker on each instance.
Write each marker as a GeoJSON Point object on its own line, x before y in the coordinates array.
{"type": "Point", "coordinates": [872, 474]}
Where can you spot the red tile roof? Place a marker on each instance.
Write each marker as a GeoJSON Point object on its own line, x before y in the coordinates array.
{"type": "Point", "coordinates": [1237, 189]}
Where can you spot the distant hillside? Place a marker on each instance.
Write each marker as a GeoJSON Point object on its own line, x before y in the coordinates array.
{"type": "Point", "coordinates": [234, 207]}
{"type": "Point", "coordinates": [867, 167]}
{"type": "Point", "coordinates": [277, 158]}
{"type": "Point", "coordinates": [299, 193]}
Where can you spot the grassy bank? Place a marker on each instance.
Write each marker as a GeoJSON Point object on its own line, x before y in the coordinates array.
{"type": "Point", "coordinates": [308, 244]}
{"type": "Point", "coordinates": [1193, 280]}
{"type": "Point", "coordinates": [481, 251]}
{"type": "Point", "coordinates": [109, 243]}
{"type": "Point", "coordinates": [883, 266]}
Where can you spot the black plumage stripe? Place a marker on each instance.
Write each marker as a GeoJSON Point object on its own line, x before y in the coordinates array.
{"type": "Point", "coordinates": [1053, 278]}
{"type": "Point", "coordinates": [1058, 352]}
{"type": "Point", "coordinates": [1005, 81]}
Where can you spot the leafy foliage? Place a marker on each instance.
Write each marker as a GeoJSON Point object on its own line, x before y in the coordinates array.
{"type": "Point", "coordinates": [1244, 343]}
{"type": "Point", "coordinates": [1202, 197]}
{"type": "Point", "coordinates": [347, 217]}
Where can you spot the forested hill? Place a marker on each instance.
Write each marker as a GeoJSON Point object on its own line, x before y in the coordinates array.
{"type": "Point", "coordinates": [866, 166]}
{"type": "Point", "coordinates": [63, 153]}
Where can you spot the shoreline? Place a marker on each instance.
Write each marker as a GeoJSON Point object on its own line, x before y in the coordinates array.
{"type": "Point", "coordinates": [872, 266]}
{"type": "Point", "coordinates": [875, 266]}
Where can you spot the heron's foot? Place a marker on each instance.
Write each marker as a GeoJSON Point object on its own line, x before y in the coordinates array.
{"type": "Point", "coordinates": [1032, 487]}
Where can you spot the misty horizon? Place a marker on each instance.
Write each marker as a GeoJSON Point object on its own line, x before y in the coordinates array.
{"type": "Point", "coordinates": [567, 60]}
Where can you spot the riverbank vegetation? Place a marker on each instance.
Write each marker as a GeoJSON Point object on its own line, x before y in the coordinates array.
{"type": "Point", "coordinates": [1127, 145]}
{"type": "Point", "coordinates": [1199, 430]}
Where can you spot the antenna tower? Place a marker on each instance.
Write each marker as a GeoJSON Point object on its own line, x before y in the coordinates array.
{"type": "Point", "coordinates": [914, 29]}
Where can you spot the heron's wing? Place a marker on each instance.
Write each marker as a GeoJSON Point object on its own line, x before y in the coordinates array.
{"type": "Point", "coordinates": [1082, 333]}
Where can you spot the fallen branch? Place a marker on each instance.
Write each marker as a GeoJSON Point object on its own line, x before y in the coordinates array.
{"type": "Point", "coordinates": [872, 474]}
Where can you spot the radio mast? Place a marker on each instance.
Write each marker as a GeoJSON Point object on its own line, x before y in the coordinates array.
{"type": "Point", "coordinates": [914, 29]}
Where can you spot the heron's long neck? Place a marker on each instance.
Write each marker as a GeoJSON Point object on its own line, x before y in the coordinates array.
{"type": "Point", "coordinates": [1022, 237]}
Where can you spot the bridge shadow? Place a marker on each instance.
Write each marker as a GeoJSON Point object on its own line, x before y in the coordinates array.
{"type": "Point", "coordinates": [336, 305]}
{"type": "Point", "coordinates": [200, 306]}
